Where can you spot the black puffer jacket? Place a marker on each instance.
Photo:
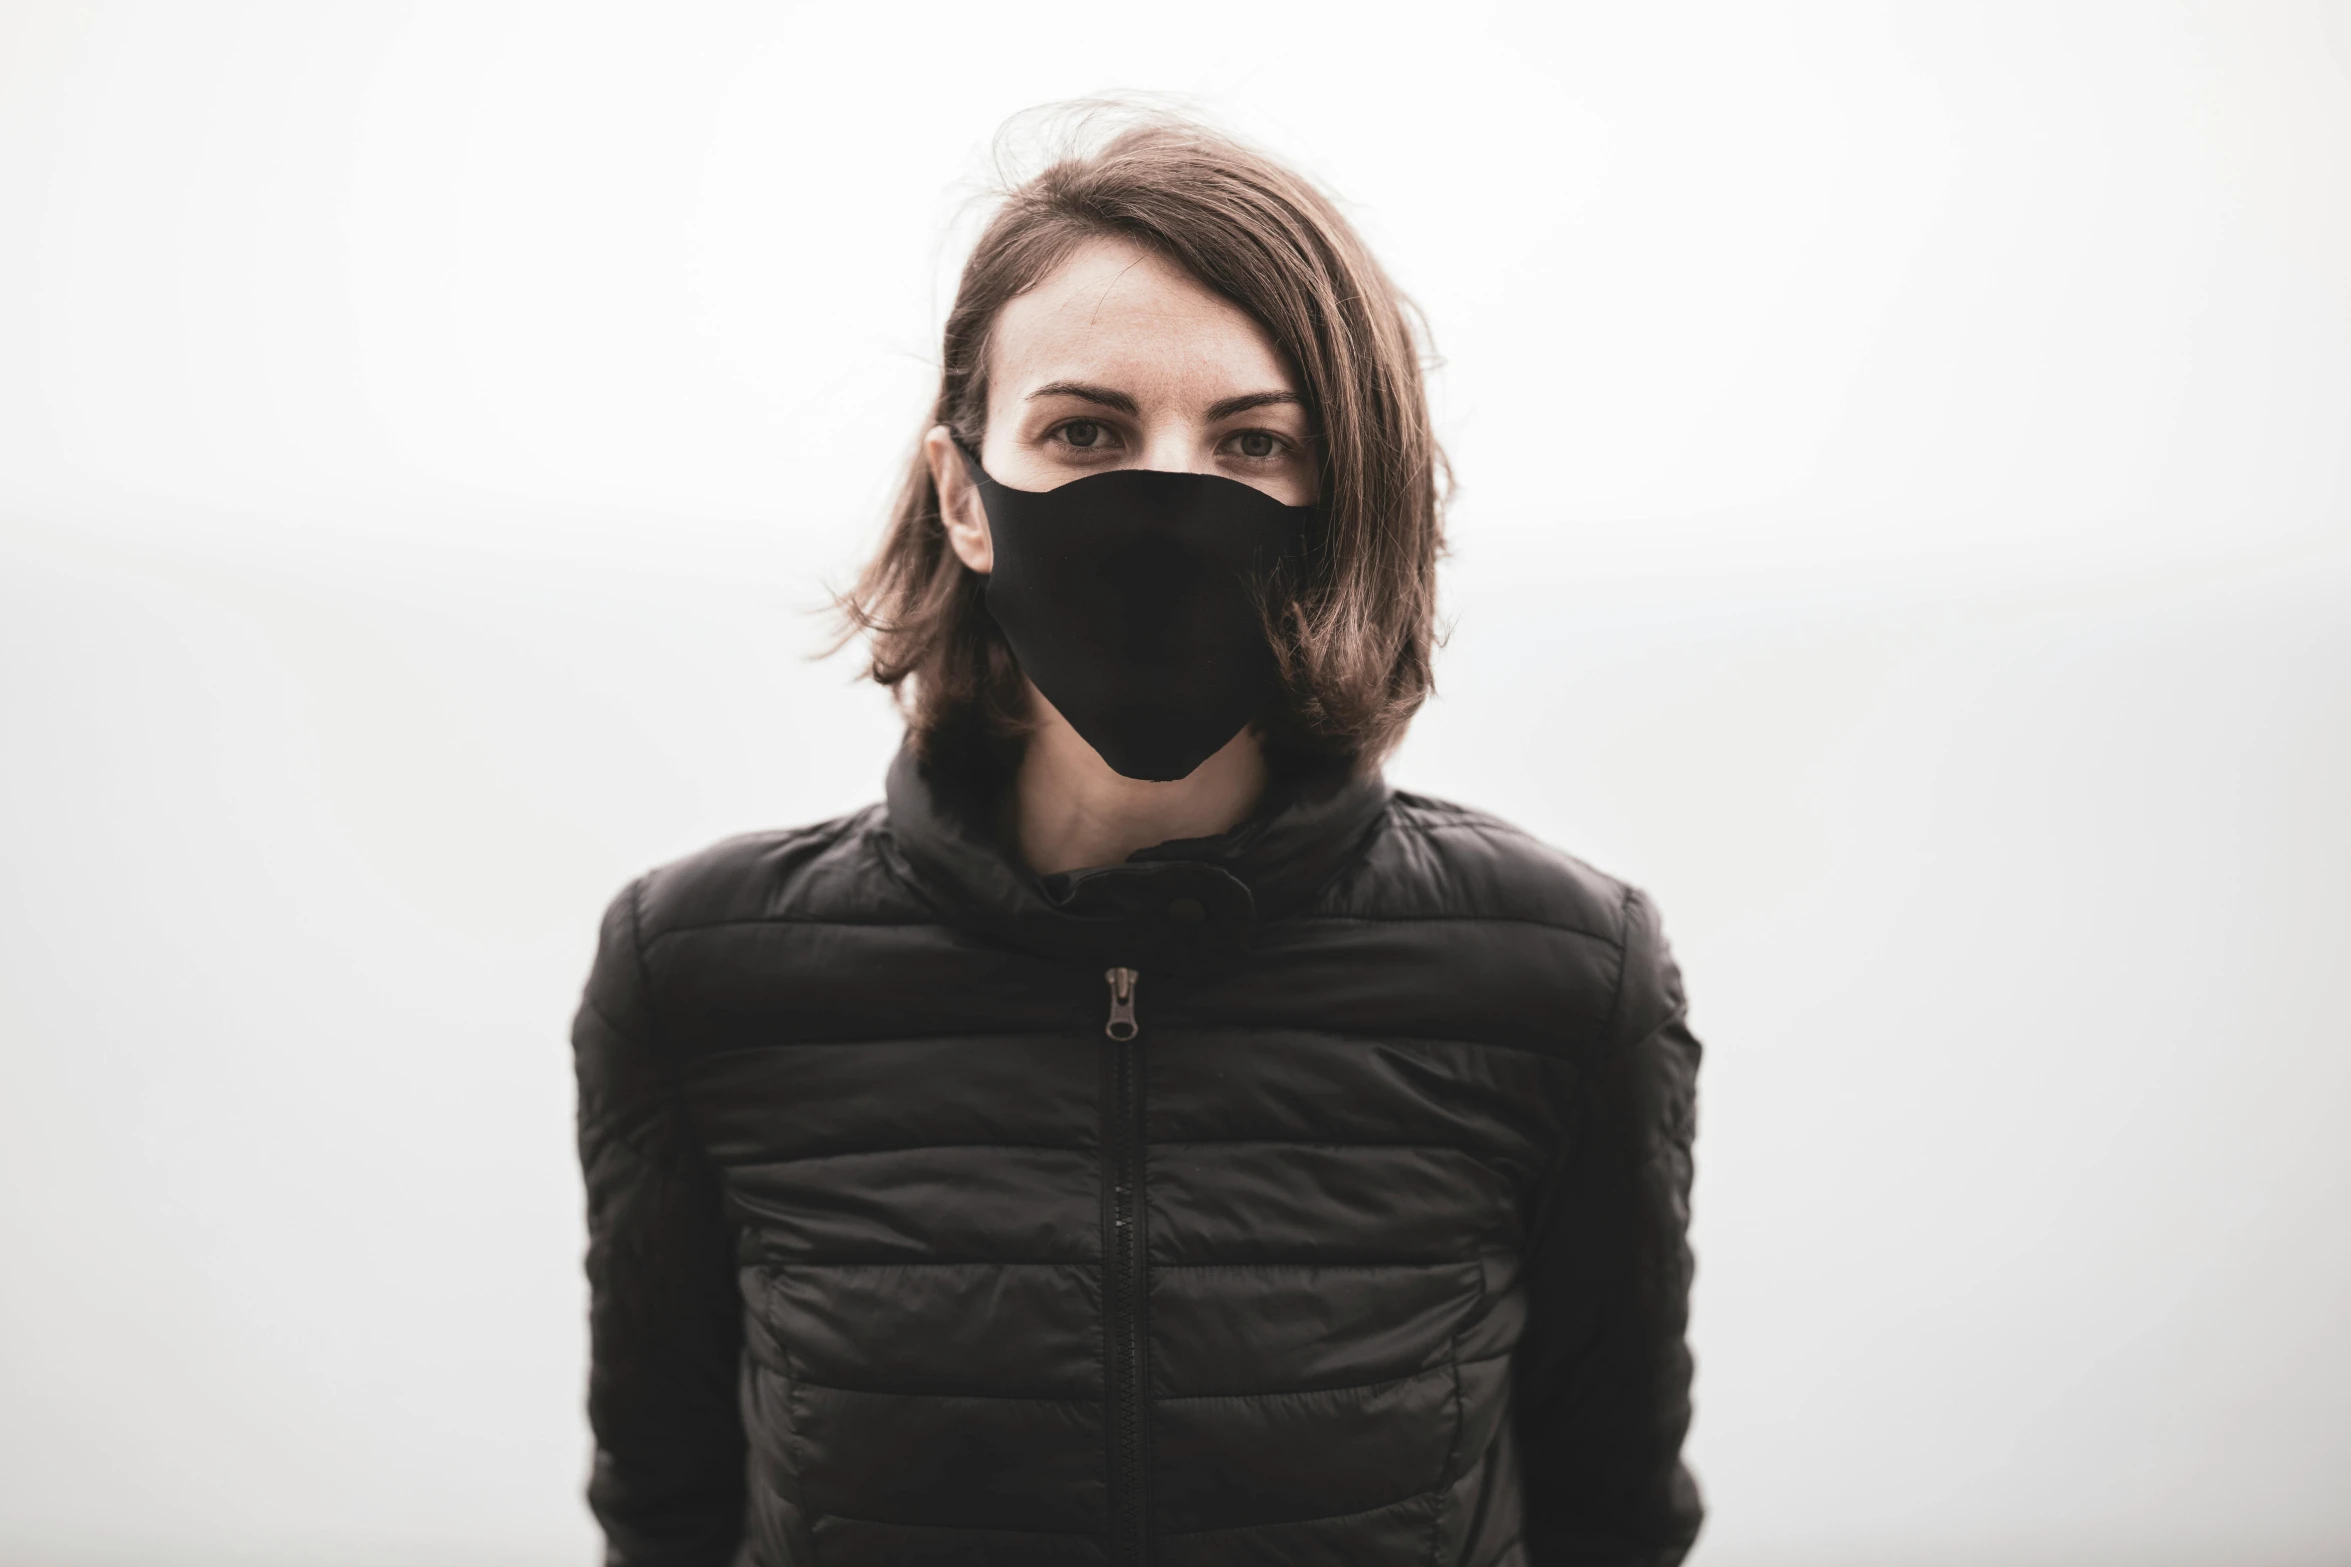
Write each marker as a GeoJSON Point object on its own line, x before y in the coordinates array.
{"type": "Point", "coordinates": [1366, 1246]}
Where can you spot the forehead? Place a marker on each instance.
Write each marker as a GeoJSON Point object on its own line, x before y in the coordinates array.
{"type": "Point", "coordinates": [1115, 313]}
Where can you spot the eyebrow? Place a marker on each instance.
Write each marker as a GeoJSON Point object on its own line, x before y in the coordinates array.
{"type": "Point", "coordinates": [1110, 397]}
{"type": "Point", "coordinates": [1248, 400]}
{"type": "Point", "coordinates": [1103, 395]}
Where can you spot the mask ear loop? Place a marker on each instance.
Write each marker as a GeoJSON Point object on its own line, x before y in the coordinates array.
{"type": "Point", "coordinates": [971, 459]}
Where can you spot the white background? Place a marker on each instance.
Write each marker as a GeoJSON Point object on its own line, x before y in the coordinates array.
{"type": "Point", "coordinates": [1905, 460]}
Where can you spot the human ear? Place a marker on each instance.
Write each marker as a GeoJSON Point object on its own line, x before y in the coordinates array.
{"type": "Point", "coordinates": [965, 519]}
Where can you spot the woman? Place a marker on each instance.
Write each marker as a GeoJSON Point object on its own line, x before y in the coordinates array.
{"type": "Point", "coordinates": [1146, 1137]}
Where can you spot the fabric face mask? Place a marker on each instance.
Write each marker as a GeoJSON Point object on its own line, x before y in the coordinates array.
{"type": "Point", "coordinates": [1128, 597]}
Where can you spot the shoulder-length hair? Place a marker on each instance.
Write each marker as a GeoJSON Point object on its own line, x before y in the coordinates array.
{"type": "Point", "coordinates": [1354, 627]}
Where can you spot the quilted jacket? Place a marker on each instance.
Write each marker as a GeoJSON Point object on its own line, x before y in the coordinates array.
{"type": "Point", "coordinates": [1315, 1193]}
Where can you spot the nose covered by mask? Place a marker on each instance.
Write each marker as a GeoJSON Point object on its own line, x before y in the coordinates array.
{"type": "Point", "coordinates": [1131, 599]}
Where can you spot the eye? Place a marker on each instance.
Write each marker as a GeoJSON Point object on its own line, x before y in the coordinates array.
{"type": "Point", "coordinates": [1083, 433]}
{"type": "Point", "coordinates": [1257, 445]}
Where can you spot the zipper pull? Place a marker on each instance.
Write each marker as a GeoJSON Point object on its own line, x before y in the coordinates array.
{"type": "Point", "coordinates": [1122, 1025]}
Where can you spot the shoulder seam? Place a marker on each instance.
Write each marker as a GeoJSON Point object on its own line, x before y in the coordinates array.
{"type": "Point", "coordinates": [1464, 919]}
{"type": "Point", "coordinates": [1430, 816]}
{"type": "Point", "coordinates": [723, 872]}
{"type": "Point", "coordinates": [636, 896]}
{"type": "Point", "coordinates": [1425, 818]}
{"type": "Point", "coordinates": [1624, 959]}
{"type": "Point", "coordinates": [832, 830]}
{"type": "Point", "coordinates": [798, 919]}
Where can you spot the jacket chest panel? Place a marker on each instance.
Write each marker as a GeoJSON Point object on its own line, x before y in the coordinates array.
{"type": "Point", "coordinates": [1247, 1145]}
{"type": "Point", "coordinates": [1239, 1276]}
{"type": "Point", "coordinates": [1309, 1212]}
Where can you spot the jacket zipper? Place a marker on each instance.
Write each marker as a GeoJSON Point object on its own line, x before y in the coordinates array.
{"type": "Point", "coordinates": [1122, 1026]}
{"type": "Point", "coordinates": [1124, 1281]}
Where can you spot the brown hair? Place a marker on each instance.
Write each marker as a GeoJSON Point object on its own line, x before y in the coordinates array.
{"type": "Point", "coordinates": [1354, 629]}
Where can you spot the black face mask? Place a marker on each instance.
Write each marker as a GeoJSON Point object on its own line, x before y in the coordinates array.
{"type": "Point", "coordinates": [1131, 599]}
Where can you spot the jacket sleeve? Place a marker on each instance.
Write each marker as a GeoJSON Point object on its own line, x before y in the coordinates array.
{"type": "Point", "coordinates": [665, 1317]}
{"type": "Point", "coordinates": [1602, 1390]}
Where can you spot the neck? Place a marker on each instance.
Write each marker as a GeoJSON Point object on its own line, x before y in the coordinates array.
{"type": "Point", "coordinates": [1074, 812]}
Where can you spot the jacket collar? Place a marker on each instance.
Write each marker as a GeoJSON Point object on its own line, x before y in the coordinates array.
{"type": "Point", "coordinates": [1187, 904]}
